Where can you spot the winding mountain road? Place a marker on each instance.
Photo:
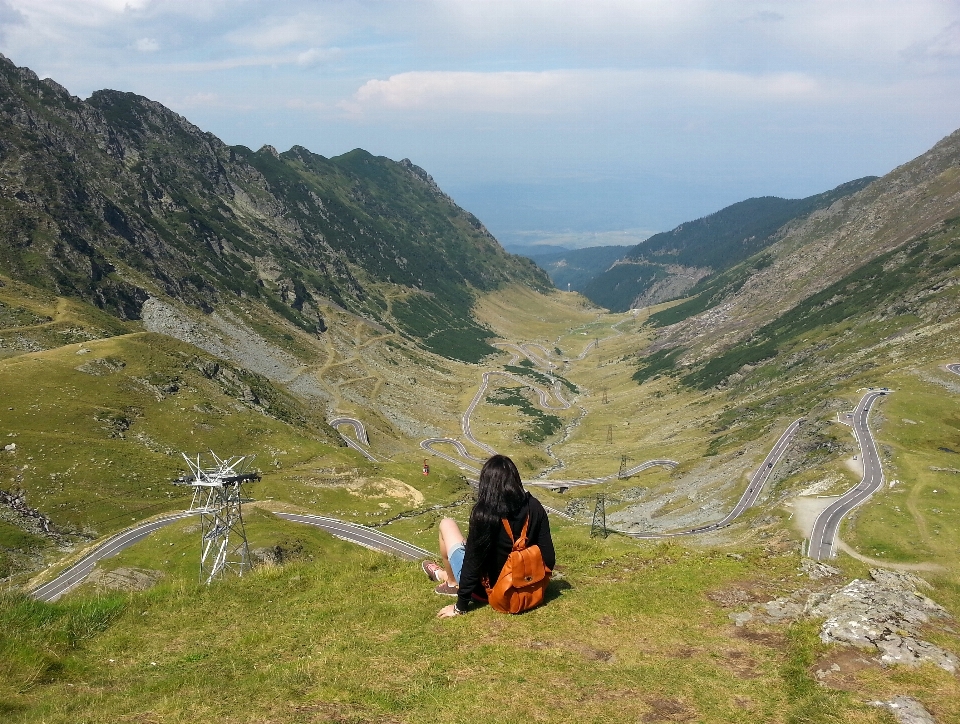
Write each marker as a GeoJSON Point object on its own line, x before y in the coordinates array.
{"type": "Point", "coordinates": [955, 368]}
{"type": "Point", "coordinates": [359, 431]}
{"type": "Point", "coordinates": [361, 535]}
{"type": "Point", "coordinates": [552, 484]}
{"type": "Point", "coordinates": [749, 496]}
{"type": "Point", "coordinates": [462, 451]}
{"type": "Point", "coordinates": [824, 534]}
{"type": "Point", "coordinates": [78, 572]}
{"type": "Point", "coordinates": [516, 349]}
{"type": "Point", "coordinates": [352, 532]}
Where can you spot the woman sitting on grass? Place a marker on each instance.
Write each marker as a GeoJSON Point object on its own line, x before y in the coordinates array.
{"type": "Point", "coordinates": [467, 563]}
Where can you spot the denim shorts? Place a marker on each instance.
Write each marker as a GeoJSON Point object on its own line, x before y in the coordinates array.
{"type": "Point", "coordinates": [456, 559]}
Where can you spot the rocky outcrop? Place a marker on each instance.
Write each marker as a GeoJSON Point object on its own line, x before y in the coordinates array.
{"type": "Point", "coordinates": [17, 503]}
{"type": "Point", "coordinates": [116, 199]}
{"type": "Point", "coordinates": [125, 579]}
{"type": "Point", "coordinates": [885, 614]}
{"type": "Point", "coordinates": [906, 710]}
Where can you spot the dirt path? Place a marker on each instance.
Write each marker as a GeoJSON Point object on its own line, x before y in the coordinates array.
{"type": "Point", "coordinates": [918, 518]}
{"type": "Point", "coordinates": [929, 567]}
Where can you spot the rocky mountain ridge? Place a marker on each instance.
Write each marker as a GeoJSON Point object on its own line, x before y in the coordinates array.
{"type": "Point", "coordinates": [116, 198]}
{"type": "Point", "coordinates": [831, 244]}
{"type": "Point", "coordinates": [668, 265]}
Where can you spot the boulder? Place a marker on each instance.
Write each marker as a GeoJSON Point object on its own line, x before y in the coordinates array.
{"type": "Point", "coordinates": [906, 710]}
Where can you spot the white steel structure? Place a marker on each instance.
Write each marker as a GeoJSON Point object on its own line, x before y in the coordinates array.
{"type": "Point", "coordinates": [217, 496]}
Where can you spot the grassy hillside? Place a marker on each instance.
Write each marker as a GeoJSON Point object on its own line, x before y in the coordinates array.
{"type": "Point", "coordinates": [909, 288]}
{"type": "Point", "coordinates": [633, 629]}
{"type": "Point", "coordinates": [864, 293]}
{"type": "Point", "coordinates": [703, 247]}
{"type": "Point", "coordinates": [820, 251]}
{"type": "Point", "coordinates": [116, 199]}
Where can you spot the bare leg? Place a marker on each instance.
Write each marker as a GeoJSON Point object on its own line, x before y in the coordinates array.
{"type": "Point", "coordinates": [450, 538]}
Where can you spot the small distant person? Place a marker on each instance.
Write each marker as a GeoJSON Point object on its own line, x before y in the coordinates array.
{"type": "Point", "coordinates": [468, 563]}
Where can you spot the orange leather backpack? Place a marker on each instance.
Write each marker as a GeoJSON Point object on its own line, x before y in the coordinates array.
{"type": "Point", "coordinates": [523, 581]}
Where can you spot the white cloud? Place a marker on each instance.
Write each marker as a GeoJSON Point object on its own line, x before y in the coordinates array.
{"type": "Point", "coordinates": [277, 33]}
{"type": "Point", "coordinates": [210, 100]}
{"type": "Point", "coordinates": [317, 55]}
{"type": "Point", "coordinates": [309, 57]}
{"type": "Point", "coordinates": [147, 45]}
{"type": "Point", "coordinates": [571, 91]}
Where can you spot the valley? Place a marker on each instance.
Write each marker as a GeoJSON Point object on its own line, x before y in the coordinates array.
{"type": "Point", "coordinates": [371, 344]}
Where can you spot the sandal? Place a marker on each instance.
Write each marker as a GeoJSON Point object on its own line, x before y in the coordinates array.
{"type": "Point", "coordinates": [445, 589]}
{"type": "Point", "coordinates": [432, 570]}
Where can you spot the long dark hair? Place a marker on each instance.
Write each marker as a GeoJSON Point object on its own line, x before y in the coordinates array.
{"type": "Point", "coordinates": [500, 495]}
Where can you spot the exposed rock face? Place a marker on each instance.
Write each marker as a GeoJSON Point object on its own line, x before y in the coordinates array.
{"type": "Point", "coordinates": [668, 264]}
{"type": "Point", "coordinates": [828, 245]}
{"type": "Point", "coordinates": [884, 614]}
{"type": "Point", "coordinates": [116, 199]}
{"type": "Point", "coordinates": [679, 281]}
{"type": "Point", "coordinates": [906, 710]}
{"type": "Point", "coordinates": [816, 570]}
{"type": "Point", "coordinates": [16, 502]}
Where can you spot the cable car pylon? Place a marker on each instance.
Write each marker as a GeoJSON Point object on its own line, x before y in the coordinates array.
{"type": "Point", "coordinates": [217, 495]}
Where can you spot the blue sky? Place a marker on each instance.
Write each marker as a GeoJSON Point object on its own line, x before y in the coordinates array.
{"type": "Point", "coordinates": [583, 122]}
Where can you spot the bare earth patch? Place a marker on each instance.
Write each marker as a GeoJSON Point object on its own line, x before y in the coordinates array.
{"type": "Point", "coordinates": [125, 579]}
{"type": "Point", "coordinates": [838, 669]}
{"type": "Point", "coordinates": [667, 710]}
{"type": "Point", "coordinates": [805, 511]}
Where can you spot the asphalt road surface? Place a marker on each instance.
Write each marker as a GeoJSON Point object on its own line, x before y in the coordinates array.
{"type": "Point", "coordinates": [77, 573]}
{"type": "Point", "coordinates": [359, 430]}
{"type": "Point", "coordinates": [824, 534]}
{"type": "Point", "coordinates": [955, 368]}
{"type": "Point", "coordinates": [749, 496]}
{"type": "Point", "coordinates": [429, 443]}
{"type": "Point", "coordinates": [361, 535]}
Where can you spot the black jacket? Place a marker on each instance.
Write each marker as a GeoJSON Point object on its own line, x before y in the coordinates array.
{"type": "Point", "coordinates": [474, 569]}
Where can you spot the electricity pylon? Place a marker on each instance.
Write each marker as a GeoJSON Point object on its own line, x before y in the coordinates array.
{"type": "Point", "coordinates": [217, 496]}
{"type": "Point", "coordinates": [599, 526]}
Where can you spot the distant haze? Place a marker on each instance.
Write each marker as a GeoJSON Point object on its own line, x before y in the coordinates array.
{"type": "Point", "coordinates": [565, 118]}
{"type": "Point", "coordinates": [571, 239]}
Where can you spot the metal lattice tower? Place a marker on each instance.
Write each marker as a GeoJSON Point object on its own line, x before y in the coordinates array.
{"type": "Point", "coordinates": [599, 526]}
{"type": "Point", "coordinates": [623, 466]}
{"type": "Point", "coordinates": [604, 395]}
{"type": "Point", "coordinates": [217, 496]}
{"type": "Point", "coordinates": [609, 434]}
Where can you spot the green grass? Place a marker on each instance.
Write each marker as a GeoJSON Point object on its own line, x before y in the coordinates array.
{"type": "Point", "coordinates": [656, 364]}
{"type": "Point", "coordinates": [97, 449]}
{"type": "Point", "coordinates": [542, 424]}
{"type": "Point", "coordinates": [351, 636]}
{"type": "Point", "coordinates": [524, 370]}
{"type": "Point", "coordinates": [910, 522]}
{"type": "Point", "coordinates": [879, 288]}
{"type": "Point", "coordinates": [449, 331]}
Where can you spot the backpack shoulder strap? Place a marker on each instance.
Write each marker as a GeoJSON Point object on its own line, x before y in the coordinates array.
{"type": "Point", "coordinates": [521, 542]}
